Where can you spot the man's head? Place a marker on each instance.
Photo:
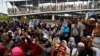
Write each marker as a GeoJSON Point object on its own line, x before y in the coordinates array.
{"type": "Point", "coordinates": [7, 38]}
{"type": "Point", "coordinates": [1, 31]}
{"type": "Point", "coordinates": [71, 39]}
{"type": "Point", "coordinates": [63, 42]}
{"type": "Point", "coordinates": [80, 46]}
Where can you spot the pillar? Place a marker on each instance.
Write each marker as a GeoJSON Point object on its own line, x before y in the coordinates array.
{"type": "Point", "coordinates": [53, 17]}
{"type": "Point", "coordinates": [86, 16]}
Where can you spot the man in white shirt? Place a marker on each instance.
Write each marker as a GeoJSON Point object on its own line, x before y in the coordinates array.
{"type": "Point", "coordinates": [97, 50]}
{"type": "Point", "coordinates": [80, 50]}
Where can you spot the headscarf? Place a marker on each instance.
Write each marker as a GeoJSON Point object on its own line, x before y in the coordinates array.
{"type": "Point", "coordinates": [64, 42]}
{"type": "Point", "coordinates": [17, 51]}
{"type": "Point", "coordinates": [71, 42]}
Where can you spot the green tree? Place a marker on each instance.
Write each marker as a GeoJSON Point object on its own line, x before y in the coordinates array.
{"type": "Point", "coordinates": [5, 17]}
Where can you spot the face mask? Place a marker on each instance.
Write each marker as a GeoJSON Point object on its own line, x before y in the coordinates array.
{"type": "Point", "coordinates": [33, 42]}
{"type": "Point", "coordinates": [25, 40]}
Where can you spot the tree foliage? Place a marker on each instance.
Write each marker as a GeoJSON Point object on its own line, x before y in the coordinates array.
{"type": "Point", "coordinates": [5, 17]}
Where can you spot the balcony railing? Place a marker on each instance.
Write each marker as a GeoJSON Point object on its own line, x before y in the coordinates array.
{"type": "Point", "coordinates": [63, 7]}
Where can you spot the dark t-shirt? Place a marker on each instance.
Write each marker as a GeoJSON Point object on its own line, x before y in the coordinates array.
{"type": "Point", "coordinates": [83, 53]}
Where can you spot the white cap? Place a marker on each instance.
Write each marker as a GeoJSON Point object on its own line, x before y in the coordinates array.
{"type": "Point", "coordinates": [81, 44]}
{"type": "Point", "coordinates": [92, 19]}
{"type": "Point", "coordinates": [88, 36]}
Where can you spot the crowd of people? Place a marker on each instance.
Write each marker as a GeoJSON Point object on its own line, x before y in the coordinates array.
{"type": "Point", "coordinates": [49, 38]}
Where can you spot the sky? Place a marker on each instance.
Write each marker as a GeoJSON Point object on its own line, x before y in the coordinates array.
{"type": "Point", "coordinates": [4, 6]}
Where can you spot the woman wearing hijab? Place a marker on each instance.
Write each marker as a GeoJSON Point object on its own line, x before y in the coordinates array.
{"type": "Point", "coordinates": [63, 50]}
{"type": "Point", "coordinates": [71, 42]}
{"type": "Point", "coordinates": [17, 51]}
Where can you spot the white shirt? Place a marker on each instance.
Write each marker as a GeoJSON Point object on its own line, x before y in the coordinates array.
{"type": "Point", "coordinates": [45, 34]}
{"type": "Point", "coordinates": [97, 51]}
{"type": "Point", "coordinates": [81, 27]}
{"type": "Point", "coordinates": [31, 24]}
{"type": "Point", "coordinates": [75, 52]}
